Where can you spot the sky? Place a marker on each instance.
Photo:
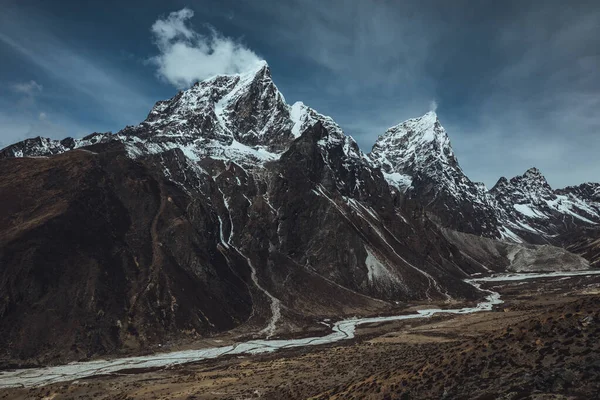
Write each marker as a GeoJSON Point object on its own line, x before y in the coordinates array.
{"type": "Point", "coordinates": [516, 84]}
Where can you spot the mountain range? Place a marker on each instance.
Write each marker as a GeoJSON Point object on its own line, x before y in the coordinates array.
{"type": "Point", "coordinates": [229, 210]}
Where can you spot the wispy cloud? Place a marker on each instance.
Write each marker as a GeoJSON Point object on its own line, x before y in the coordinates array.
{"type": "Point", "coordinates": [113, 91]}
{"type": "Point", "coordinates": [26, 95]}
{"type": "Point", "coordinates": [28, 88]}
{"type": "Point", "coordinates": [72, 85]}
{"type": "Point", "coordinates": [186, 56]}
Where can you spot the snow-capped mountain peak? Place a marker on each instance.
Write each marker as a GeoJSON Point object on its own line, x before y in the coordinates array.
{"type": "Point", "coordinates": [425, 125]}
{"type": "Point", "coordinates": [244, 107]}
{"type": "Point", "coordinates": [426, 128]}
{"type": "Point", "coordinates": [413, 145]}
{"type": "Point", "coordinates": [531, 187]}
{"type": "Point", "coordinates": [535, 176]}
{"type": "Point", "coordinates": [245, 119]}
{"type": "Point", "coordinates": [303, 116]}
{"type": "Point", "coordinates": [239, 117]}
{"type": "Point", "coordinates": [418, 146]}
{"type": "Point", "coordinates": [417, 158]}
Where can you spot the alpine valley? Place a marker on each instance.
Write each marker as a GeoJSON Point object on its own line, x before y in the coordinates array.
{"type": "Point", "coordinates": [230, 213]}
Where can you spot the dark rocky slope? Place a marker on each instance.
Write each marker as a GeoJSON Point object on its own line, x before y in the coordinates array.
{"type": "Point", "coordinates": [98, 253]}
{"type": "Point", "coordinates": [101, 253]}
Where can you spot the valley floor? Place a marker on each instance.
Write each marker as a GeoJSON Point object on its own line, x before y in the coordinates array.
{"type": "Point", "coordinates": [543, 342]}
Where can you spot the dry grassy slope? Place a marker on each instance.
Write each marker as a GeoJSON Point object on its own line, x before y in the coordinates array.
{"type": "Point", "coordinates": [542, 345]}
{"type": "Point", "coordinates": [557, 353]}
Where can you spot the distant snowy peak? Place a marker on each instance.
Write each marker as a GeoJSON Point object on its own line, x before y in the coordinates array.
{"type": "Point", "coordinates": [532, 179]}
{"type": "Point", "coordinates": [529, 187]}
{"type": "Point", "coordinates": [531, 207]}
{"type": "Point", "coordinates": [44, 147]}
{"type": "Point", "coordinates": [412, 146]}
{"type": "Point", "coordinates": [419, 147]}
{"type": "Point", "coordinates": [502, 186]}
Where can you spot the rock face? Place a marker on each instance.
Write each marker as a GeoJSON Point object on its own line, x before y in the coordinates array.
{"type": "Point", "coordinates": [416, 157]}
{"type": "Point", "coordinates": [97, 254]}
{"type": "Point", "coordinates": [229, 210]}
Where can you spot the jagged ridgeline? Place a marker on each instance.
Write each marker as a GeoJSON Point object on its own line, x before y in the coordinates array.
{"type": "Point", "coordinates": [229, 210]}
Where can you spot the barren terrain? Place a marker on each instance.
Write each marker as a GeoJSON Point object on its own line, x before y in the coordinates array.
{"type": "Point", "coordinates": [543, 342]}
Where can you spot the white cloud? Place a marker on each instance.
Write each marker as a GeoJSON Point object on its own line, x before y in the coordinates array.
{"type": "Point", "coordinates": [173, 26]}
{"type": "Point", "coordinates": [433, 105]}
{"type": "Point", "coordinates": [187, 56]}
{"type": "Point", "coordinates": [27, 88]}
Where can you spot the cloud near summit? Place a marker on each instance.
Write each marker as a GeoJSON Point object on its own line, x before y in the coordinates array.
{"type": "Point", "coordinates": [186, 56]}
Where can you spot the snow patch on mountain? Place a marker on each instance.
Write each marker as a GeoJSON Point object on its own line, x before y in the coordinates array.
{"type": "Point", "coordinates": [379, 273]}
{"type": "Point", "coordinates": [528, 211]}
{"type": "Point", "coordinates": [400, 181]}
{"type": "Point", "coordinates": [509, 235]}
{"type": "Point", "coordinates": [298, 115]}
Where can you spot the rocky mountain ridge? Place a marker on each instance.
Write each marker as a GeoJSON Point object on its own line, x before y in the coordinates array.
{"type": "Point", "coordinates": [418, 159]}
{"type": "Point", "coordinates": [229, 210]}
{"type": "Point", "coordinates": [241, 118]}
{"type": "Point", "coordinates": [244, 118]}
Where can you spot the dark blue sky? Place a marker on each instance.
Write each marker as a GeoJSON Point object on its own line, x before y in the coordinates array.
{"type": "Point", "coordinates": [516, 83]}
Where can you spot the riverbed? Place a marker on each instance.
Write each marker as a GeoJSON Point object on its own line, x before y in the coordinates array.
{"type": "Point", "coordinates": [340, 330]}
